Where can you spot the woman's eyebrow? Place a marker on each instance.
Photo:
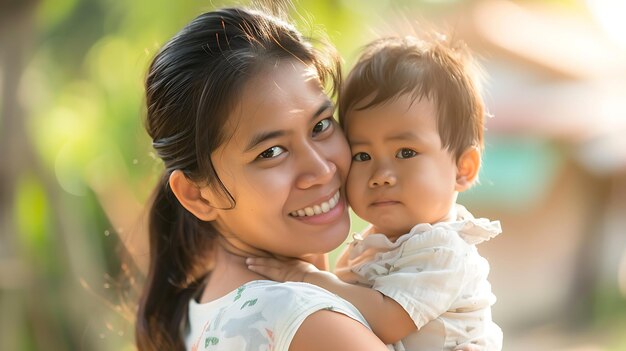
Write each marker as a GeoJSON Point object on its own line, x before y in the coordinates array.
{"type": "Point", "coordinates": [323, 107]}
{"type": "Point", "coordinates": [266, 135]}
{"type": "Point", "coordinates": [263, 136]}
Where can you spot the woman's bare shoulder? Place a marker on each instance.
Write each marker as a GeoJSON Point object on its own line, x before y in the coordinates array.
{"type": "Point", "coordinates": [326, 330]}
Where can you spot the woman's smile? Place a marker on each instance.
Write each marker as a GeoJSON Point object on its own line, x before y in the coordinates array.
{"type": "Point", "coordinates": [323, 212]}
{"type": "Point", "coordinates": [319, 208]}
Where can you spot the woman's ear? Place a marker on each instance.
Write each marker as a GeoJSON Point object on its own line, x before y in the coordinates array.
{"type": "Point", "coordinates": [189, 194]}
{"type": "Point", "coordinates": [468, 166]}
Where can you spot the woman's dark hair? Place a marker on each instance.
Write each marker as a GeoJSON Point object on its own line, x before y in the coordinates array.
{"type": "Point", "coordinates": [192, 85]}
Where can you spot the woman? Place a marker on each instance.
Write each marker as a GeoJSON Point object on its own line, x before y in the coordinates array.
{"type": "Point", "coordinates": [255, 166]}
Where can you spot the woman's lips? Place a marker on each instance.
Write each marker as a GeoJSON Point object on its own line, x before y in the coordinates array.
{"type": "Point", "coordinates": [317, 209]}
{"type": "Point", "coordinates": [325, 217]}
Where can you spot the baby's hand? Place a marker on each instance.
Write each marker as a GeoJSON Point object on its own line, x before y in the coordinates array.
{"type": "Point", "coordinates": [292, 270]}
{"type": "Point", "coordinates": [468, 348]}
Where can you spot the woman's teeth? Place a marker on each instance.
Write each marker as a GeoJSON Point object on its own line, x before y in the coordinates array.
{"type": "Point", "coordinates": [317, 209]}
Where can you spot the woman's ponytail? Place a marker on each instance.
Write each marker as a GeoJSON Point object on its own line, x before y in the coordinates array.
{"type": "Point", "coordinates": [174, 276]}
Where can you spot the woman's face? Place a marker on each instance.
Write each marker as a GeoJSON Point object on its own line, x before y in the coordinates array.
{"type": "Point", "coordinates": [285, 165]}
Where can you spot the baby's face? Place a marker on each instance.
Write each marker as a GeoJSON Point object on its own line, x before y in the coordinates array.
{"type": "Point", "coordinates": [400, 174]}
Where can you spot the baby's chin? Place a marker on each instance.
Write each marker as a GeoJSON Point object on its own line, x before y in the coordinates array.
{"type": "Point", "coordinates": [392, 233]}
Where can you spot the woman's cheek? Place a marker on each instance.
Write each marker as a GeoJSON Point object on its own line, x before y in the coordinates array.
{"type": "Point", "coordinates": [353, 189]}
{"type": "Point", "coordinates": [342, 154]}
{"type": "Point", "coordinates": [275, 181]}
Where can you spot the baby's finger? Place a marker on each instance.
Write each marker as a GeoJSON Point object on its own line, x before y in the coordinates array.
{"type": "Point", "coordinates": [468, 348]}
{"type": "Point", "coordinates": [264, 261]}
{"type": "Point", "coordinates": [269, 272]}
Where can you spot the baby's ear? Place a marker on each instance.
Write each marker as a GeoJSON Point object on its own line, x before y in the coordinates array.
{"type": "Point", "coordinates": [467, 166]}
{"type": "Point", "coordinates": [190, 195]}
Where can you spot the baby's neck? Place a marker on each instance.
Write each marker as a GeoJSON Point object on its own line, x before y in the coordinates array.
{"type": "Point", "coordinates": [451, 216]}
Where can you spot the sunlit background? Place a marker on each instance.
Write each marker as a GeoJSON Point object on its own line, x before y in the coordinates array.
{"type": "Point", "coordinates": [76, 166]}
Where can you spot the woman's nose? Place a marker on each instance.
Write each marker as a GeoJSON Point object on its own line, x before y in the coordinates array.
{"type": "Point", "coordinates": [317, 169]}
{"type": "Point", "coordinates": [383, 176]}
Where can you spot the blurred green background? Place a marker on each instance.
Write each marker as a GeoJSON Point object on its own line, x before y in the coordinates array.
{"type": "Point", "coordinates": [76, 165]}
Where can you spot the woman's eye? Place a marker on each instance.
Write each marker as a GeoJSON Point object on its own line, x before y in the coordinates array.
{"type": "Point", "coordinates": [272, 152]}
{"type": "Point", "coordinates": [360, 157]}
{"type": "Point", "coordinates": [322, 125]}
{"type": "Point", "coordinates": [406, 153]}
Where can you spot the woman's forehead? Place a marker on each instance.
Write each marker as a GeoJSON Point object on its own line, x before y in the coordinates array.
{"type": "Point", "coordinates": [277, 95]}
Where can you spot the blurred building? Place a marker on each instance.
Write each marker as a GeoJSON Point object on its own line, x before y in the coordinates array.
{"type": "Point", "coordinates": [555, 162]}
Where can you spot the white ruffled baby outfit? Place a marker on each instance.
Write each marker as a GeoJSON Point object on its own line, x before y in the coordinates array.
{"type": "Point", "coordinates": [437, 275]}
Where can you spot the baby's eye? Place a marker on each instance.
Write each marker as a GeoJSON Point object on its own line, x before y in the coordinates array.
{"type": "Point", "coordinates": [272, 152]}
{"type": "Point", "coordinates": [360, 157]}
{"type": "Point", "coordinates": [322, 126]}
{"type": "Point", "coordinates": [406, 153]}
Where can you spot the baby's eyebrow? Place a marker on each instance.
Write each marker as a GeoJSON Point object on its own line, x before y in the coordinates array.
{"type": "Point", "coordinates": [404, 136]}
{"type": "Point", "coordinates": [357, 142]}
{"type": "Point", "coordinates": [408, 135]}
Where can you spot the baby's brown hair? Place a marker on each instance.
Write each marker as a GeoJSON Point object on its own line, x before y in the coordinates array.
{"type": "Point", "coordinates": [431, 68]}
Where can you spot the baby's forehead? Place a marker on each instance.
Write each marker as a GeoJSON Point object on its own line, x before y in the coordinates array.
{"type": "Point", "coordinates": [381, 98]}
{"type": "Point", "coordinates": [400, 104]}
{"type": "Point", "coordinates": [395, 120]}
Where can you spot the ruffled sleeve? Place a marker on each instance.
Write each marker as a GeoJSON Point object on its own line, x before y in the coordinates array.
{"type": "Point", "coordinates": [424, 270]}
{"type": "Point", "coordinates": [425, 276]}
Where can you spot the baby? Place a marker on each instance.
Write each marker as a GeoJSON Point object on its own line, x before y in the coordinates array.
{"type": "Point", "coordinates": [413, 116]}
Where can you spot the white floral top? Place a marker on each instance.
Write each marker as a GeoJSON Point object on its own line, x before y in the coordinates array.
{"type": "Point", "coordinates": [260, 315]}
{"type": "Point", "coordinates": [437, 275]}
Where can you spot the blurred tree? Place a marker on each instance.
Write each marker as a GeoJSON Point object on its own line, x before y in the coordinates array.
{"type": "Point", "coordinates": [78, 166]}
{"type": "Point", "coordinates": [19, 160]}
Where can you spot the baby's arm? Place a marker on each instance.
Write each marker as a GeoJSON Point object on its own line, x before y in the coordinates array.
{"type": "Point", "coordinates": [389, 321]}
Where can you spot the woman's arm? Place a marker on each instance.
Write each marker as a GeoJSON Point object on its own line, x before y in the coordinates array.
{"type": "Point", "coordinates": [389, 321]}
{"type": "Point", "coordinates": [328, 331]}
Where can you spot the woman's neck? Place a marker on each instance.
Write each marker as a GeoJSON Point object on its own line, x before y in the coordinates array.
{"type": "Point", "coordinates": [230, 270]}
{"type": "Point", "coordinates": [235, 247]}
